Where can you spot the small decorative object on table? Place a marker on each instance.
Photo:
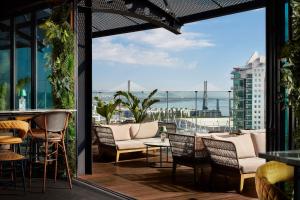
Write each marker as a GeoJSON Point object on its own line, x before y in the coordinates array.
{"type": "Point", "coordinates": [163, 133]}
{"type": "Point", "coordinates": [22, 100]}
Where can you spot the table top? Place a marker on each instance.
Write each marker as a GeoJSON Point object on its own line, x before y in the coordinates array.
{"type": "Point", "coordinates": [290, 157]}
{"type": "Point", "coordinates": [31, 111]}
{"type": "Point", "coordinates": [166, 143]}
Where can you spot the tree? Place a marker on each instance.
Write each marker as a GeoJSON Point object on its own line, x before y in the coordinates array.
{"type": "Point", "coordinates": [137, 106]}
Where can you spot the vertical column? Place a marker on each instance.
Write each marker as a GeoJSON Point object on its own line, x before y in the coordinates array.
{"type": "Point", "coordinates": [12, 64]}
{"type": "Point", "coordinates": [83, 27]}
{"type": "Point", "coordinates": [33, 60]}
{"type": "Point", "coordinates": [275, 36]}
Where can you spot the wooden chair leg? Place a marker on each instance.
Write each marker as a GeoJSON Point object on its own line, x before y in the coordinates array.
{"type": "Point", "coordinates": [56, 155]}
{"type": "Point", "coordinates": [117, 157]}
{"type": "Point", "coordinates": [23, 175]}
{"type": "Point", "coordinates": [242, 179]}
{"type": "Point", "coordinates": [67, 164]}
{"type": "Point", "coordinates": [45, 166]}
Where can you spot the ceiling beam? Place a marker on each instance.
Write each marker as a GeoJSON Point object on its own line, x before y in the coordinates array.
{"type": "Point", "coordinates": [140, 9]}
{"type": "Point", "coordinates": [122, 30]}
{"type": "Point", "coordinates": [223, 11]}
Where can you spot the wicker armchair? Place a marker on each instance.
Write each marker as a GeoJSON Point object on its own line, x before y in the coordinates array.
{"type": "Point", "coordinates": [224, 160]}
{"type": "Point", "coordinates": [184, 152]}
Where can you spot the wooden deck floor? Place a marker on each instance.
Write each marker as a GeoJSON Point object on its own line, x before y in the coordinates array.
{"type": "Point", "coordinates": [135, 179]}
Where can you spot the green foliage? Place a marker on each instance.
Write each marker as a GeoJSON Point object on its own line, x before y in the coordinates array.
{"type": "Point", "coordinates": [107, 110]}
{"type": "Point", "coordinates": [291, 69]}
{"type": "Point", "coordinates": [137, 107]}
{"type": "Point", "coordinates": [59, 37]}
{"type": "Point", "coordinates": [3, 96]}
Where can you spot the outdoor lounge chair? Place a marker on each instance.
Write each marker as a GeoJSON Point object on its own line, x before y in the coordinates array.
{"type": "Point", "coordinates": [184, 152]}
{"type": "Point", "coordinates": [225, 160]}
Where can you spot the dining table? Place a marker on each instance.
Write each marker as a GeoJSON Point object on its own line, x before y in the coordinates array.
{"type": "Point", "coordinates": [290, 157]}
{"type": "Point", "coordinates": [30, 112]}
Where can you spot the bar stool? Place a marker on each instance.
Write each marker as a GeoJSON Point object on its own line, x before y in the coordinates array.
{"type": "Point", "coordinates": [51, 132]}
{"type": "Point", "coordinates": [8, 155]}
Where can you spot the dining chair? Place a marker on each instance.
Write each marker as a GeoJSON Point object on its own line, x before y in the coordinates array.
{"type": "Point", "coordinates": [8, 155]}
{"type": "Point", "coordinates": [50, 131]}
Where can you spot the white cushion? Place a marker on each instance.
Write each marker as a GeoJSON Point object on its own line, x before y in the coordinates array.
{"type": "Point", "coordinates": [244, 131]}
{"type": "Point", "coordinates": [144, 130]}
{"type": "Point", "coordinates": [154, 139]}
{"type": "Point", "coordinates": [120, 132]}
{"type": "Point", "coordinates": [199, 136]}
{"type": "Point", "coordinates": [130, 144]}
{"type": "Point", "coordinates": [250, 165]}
{"type": "Point", "coordinates": [243, 144]}
{"type": "Point", "coordinates": [259, 142]}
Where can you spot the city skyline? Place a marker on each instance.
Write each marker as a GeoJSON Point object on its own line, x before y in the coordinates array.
{"type": "Point", "coordinates": [207, 50]}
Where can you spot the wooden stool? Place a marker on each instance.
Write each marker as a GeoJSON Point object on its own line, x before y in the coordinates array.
{"type": "Point", "coordinates": [12, 157]}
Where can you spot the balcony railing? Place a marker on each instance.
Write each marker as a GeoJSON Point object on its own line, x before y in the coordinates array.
{"type": "Point", "coordinates": [188, 109]}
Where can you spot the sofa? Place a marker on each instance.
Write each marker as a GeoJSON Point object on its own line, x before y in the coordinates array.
{"type": "Point", "coordinates": [236, 155]}
{"type": "Point", "coordinates": [126, 138]}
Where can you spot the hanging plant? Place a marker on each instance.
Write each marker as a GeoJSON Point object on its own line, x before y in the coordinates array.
{"type": "Point", "coordinates": [291, 69]}
{"type": "Point", "coordinates": [59, 38]}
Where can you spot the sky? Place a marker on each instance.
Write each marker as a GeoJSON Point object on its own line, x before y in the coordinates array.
{"type": "Point", "coordinates": [158, 59]}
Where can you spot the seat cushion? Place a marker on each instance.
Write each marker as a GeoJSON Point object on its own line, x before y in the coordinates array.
{"type": "Point", "coordinates": [129, 144]}
{"type": "Point", "coordinates": [154, 139]}
{"type": "Point", "coordinates": [40, 135]}
{"type": "Point", "coordinates": [250, 165]}
{"type": "Point", "coordinates": [243, 145]}
{"type": "Point", "coordinates": [7, 139]}
{"type": "Point", "coordinates": [259, 142]}
{"type": "Point", "coordinates": [144, 130]}
{"type": "Point", "coordinates": [120, 132]}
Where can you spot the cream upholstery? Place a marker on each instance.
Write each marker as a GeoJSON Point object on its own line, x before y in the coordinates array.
{"type": "Point", "coordinates": [250, 165]}
{"type": "Point", "coordinates": [243, 143]}
{"type": "Point", "coordinates": [199, 142]}
{"type": "Point", "coordinates": [120, 132]}
{"type": "Point", "coordinates": [129, 144]}
{"type": "Point", "coordinates": [259, 142]}
{"type": "Point", "coordinates": [144, 130]}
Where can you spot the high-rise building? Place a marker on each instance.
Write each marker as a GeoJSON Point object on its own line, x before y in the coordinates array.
{"type": "Point", "coordinates": [249, 94]}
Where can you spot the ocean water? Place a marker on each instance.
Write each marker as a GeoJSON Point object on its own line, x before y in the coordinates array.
{"type": "Point", "coordinates": [181, 100]}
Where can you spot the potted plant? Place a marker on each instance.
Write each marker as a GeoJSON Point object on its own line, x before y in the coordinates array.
{"type": "Point", "coordinates": [137, 107]}
{"type": "Point", "coordinates": [291, 70]}
{"type": "Point", "coordinates": [107, 110]}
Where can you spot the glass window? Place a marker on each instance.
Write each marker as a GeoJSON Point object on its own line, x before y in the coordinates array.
{"type": "Point", "coordinates": [44, 95]}
{"type": "Point", "coordinates": [4, 64]}
{"type": "Point", "coordinates": [23, 59]}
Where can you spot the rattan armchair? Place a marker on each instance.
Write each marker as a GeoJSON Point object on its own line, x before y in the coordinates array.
{"type": "Point", "coordinates": [225, 161]}
{"type": "Point", "coordinates": [184, 152]}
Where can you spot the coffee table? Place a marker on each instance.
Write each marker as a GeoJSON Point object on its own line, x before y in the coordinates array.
{"type": "Point", "coordinates": [161, 146]}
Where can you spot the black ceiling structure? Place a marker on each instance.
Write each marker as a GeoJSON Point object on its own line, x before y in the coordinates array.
{"type": "Point", "coordinates": [111, 17]}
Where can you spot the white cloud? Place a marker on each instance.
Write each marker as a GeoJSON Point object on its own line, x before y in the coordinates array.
{"type": "Point", "coordinates": [154, 48]}
{"type": "Point", "coordinates": [105, 49]}
{"type": "Point", "coordinates": [163, 39]}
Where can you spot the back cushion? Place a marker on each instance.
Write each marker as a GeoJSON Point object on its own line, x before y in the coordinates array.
{"type": "Point", "coordinates": [120, 132]}
{"type": "Point", "coordinates": [259, 142]}
{"type": "Point", "coordinates": [144, 130]}
{"type": "Point", "coordinates": [243, 145]}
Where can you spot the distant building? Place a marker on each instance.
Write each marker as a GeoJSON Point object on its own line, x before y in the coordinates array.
{"type": "Point", "coordinates": [249, 94]}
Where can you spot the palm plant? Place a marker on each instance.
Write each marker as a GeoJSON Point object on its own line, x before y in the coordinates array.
{"type": "Point", "coordinates": [107, 110]}
{"type": "Point", "coordinates": [137, 106]}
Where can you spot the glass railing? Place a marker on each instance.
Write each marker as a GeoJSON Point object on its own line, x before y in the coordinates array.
{"type": "Point", "coordinates": [190, 110]}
